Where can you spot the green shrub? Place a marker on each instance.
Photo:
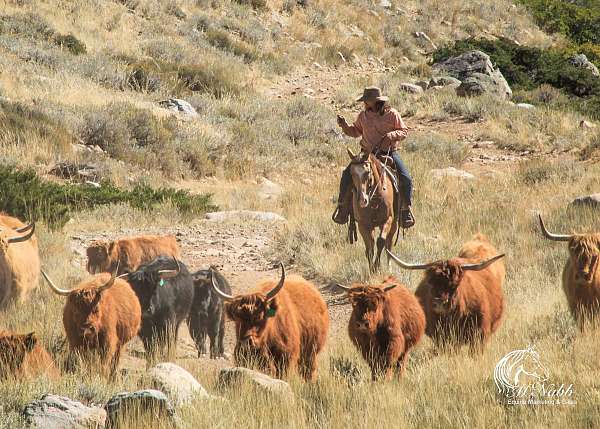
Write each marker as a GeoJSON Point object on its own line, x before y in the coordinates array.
{"type": "Point", "coordinates": [19, 123]}
{"type": "Point", "coordinates": [578, 20]}
{"type": "Point", "coordinates": [71, 43]}
{"type": "Point", "coordinates": [25, 195]}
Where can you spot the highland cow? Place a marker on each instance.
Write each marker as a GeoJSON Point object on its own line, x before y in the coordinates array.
{"type": "Point", "coordinates": [101, 315]}
{"type": "Point", "coordinates": [580, 277]}
{"type": "Point", "coordinates": [462, 297]}
{"type": "Point", "coordinates": [19, 260]}
{"type": "Point", "coordinates": [22, 356]}
{"type": "Point", "coordinates": [129, 253]}
{"type": "Point", "coordinates": [280, 327]}
{"type": "Point", "coordinates": [387, 321]}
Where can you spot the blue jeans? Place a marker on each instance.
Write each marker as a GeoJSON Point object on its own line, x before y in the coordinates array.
{"type": "Point", "coordinates": [406, 184]}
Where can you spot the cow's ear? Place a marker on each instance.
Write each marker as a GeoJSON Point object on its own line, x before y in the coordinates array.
{"type": "Point", "coordinates": [271, 308]}
{"type": "Point", "coordinates": [30, 340]}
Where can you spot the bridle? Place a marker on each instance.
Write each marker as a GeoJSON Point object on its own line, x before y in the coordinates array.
{"type": "Point", "coordinates": [373, 184]}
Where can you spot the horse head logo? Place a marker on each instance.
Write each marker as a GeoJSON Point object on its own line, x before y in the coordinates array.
{"type": "Point", "coordinates": [519, 368]}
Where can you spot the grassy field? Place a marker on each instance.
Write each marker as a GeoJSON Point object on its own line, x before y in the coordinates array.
{"type": "Point", "coordinates": [220, 55]}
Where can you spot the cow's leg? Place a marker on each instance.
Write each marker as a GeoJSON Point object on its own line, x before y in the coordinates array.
{"type": "Point", "coordinates": [401, 364]}
{"type": "Point", "coordinates": [220, 347]}
{"type": "Point", "coordinates": [367, 235]}
{"type": "Point", "coordinates": [307, 366]}
{"type": "Point", "coordinates": [213, 335]}
{"type": "Point", "coordinates": [114, 363]}
{"type": "Point", "coordinates": [197, 328]}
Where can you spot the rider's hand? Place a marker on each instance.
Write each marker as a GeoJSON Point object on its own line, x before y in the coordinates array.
{"type": "Point", "coordinates": [341, 121]}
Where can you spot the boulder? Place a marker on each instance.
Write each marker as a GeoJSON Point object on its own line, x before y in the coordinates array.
{"type": "Point", "coordinates": [586, 125]}
{"type": "Point", "coordinates": [592, 201]}
{"type": "Point", "coordinates": [269, 190]}
{"type": "Point", "coordinates": [148, 401]}
{"type": "Point", "coordinates": [411, 88]}
{"type": "Point", "coordinates": [244, 214]}
{"type": "Point", "coordinates": [444, 81]}
{"type": "Point", "coordinates": [58, 412]}
{"type": "Point", "coordinates": [525, 106]}
{"type": "Point", "coordinates": [582, 61]}
{"type": "Point", "coordinates": [477, 74]}
{"type": "Point", "coordinates": [179, 385]}
{"type": "Point", "coordinates": [232, 377]}
{"type": "Point", "coordinates": [451, 172]}
{"type": "Point", "coordinates": [178, 105]}
{"type": "Point", "coordinates": [479, 84]}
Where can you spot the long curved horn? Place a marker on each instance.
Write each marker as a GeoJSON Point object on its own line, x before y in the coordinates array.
{"type": "Point", "coordinates": [271, 294]}
{"type": "Point", "coordinates": [389, 288]}
{"type": "Point", "coordinates": [350, 153]}
{"type": "Point", "coordinates": [167, 274]}
{"type": "Point", "coordinates": [481, 265]}
{"type": "Point", "coordinates": [110, 283]}
{"type": "Point", "coordinates": [25, 228]}
{"type": "Point", "coordinates": [551, 236]}
{"type": "Point", "coordinates": [406, 265]}
{"type": "Point", "coordinates": [23, 237]}
{"type": "Point", "coordinates": [346, 288]}
{"type": "Point", "coordinates": [219, 292]}
{"type": "Point", "coordinates": [55, 289]}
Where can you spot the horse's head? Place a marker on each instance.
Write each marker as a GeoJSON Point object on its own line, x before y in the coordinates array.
{"type": "Point", "coordinates": [362, 176]}
{"type": "Point", "coordinates": [532, 366]}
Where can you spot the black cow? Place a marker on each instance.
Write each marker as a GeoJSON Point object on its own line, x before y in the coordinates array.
{"type": "Point", "coordinates": [165, 289]}
{"type": "Point", "coordinates": [207, 316]}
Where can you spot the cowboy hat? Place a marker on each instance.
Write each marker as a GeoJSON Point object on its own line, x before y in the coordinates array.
{"type": "Point", "coordinates": [372, 93]}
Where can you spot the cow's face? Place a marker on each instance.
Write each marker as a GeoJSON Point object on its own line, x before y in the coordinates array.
{"type": "Point", "coordinates": [444, 278]}
{"type": "Point", "coordinates": [87, 305]}
{"type": "Point", "coordinates": [251, 314]}
{"type": "Point", "coordinates": [98, 257]}
{"type": "Point", "coordinates": [584, 253]}
{"type": "Point", "coordinates": [13, 350]}
{"type": "Point", "coordinates": [367, 306]}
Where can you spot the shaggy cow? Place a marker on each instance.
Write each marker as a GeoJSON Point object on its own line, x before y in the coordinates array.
{"type": "Point", "coordinates": [581, 276]}
{"type": "Point", "coordinates": [386, 323]}
{"type": "Point", "coordinates": [281, 327]}
{"type": "Point", "coordinates": [207, 316]}
{"type": "Point", "coordinates": [21, 356]}
{"type": "Point", "coordinates": [19, 260]}
{"type": "Point", "coordinates": [462, 297]}
{"type": "Point", "coordinates": [165, 290]}
{"type": "Point", "coordinates": [129, 253]}
{"type": "Point", "coordinates": [100, 316]}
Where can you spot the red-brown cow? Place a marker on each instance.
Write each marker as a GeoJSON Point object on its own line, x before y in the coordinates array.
{"type": "Point", "coordinates": [100, 316]}
{"type": "Point", "coordinates": [280, 327]}
{"type": "Point", "coordinates": [581, 276]}
{"type": "Point", "coordinates": [21, 356]}
{"type": "Point", "coordinates": [19, 260]}
{"type": "Point", "coordinates": [386, 323]}
{"type": "Point", "coordinates": [462, 297]}
{"type": "Point", "coordinates": [129, 253]}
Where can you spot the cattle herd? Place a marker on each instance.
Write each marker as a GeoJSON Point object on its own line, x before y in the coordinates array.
{"type": "Point", "coordinates": [139, 287]}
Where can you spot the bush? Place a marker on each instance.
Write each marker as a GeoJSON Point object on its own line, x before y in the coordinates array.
{"type": "Point", "coordinates": [25, 195]}
{"type": "Point", "coordinates": [20, 123]}
{"type": "Point", "coordinates": [440, 149]}
{"type": "Point", "coordinates": [71, 43]}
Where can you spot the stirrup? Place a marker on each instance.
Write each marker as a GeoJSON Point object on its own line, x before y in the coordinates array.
{"type": "Point", "coordinates": [407, 220]}
{"type": "Point", "coordinates": [338, 220]}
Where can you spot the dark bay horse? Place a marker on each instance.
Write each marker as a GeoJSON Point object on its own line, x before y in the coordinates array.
{"type": "Point", "coordinates": [373, 205]}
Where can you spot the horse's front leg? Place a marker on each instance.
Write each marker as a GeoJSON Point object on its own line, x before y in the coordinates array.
{"type": "Point", "coordinates": [367, 236]}
{"type": "Point", "coordinates": [385, 239]}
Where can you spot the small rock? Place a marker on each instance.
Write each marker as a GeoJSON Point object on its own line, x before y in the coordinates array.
{"type": "Point", "coordinates": [587, 201]}
{"type": "Point", "coordinates": [244, 214]}
{"type": "Point", "coordinates": [231, 377]}
{"type": "Point", "coordinates": [582, 61]}
{"type": "Point", "coordinates": [58, 412]}
{"type": "Point", "coordinates": [178, 105]}
{"type": "Point", "coordinates": [179, 385]}
{"type": "Point", "coordinates": [586, 125]}
{"type": "Point", "coordinates": [135, 403]}
{"type": "Point", "coordinates": [411, 88]}
{"type": "Point", "coordinates": [484, 144]}
{"type": "Point", "coordinates": [385, 3]}
{"type": "Point", "coordinates": [525, 106]}
{"type": "Point", "coordinates": [451, 172]}
{"type": "Point", "coordinates": [423, 84]}
{"type": "Point", "coordinates": [422, 35]}
{"type": "Point", "coordinates": [341, 56]}
{"type": "Point", "coordinates": [269, 190]}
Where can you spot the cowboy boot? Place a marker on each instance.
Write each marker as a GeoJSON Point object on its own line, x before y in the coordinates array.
{"type": "Point", "coordinates": [407, 220]}
{"type": "Point", "coordinates": [342, 210]}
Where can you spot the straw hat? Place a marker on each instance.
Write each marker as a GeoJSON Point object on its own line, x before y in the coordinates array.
{"type": "Point", "coordinates": [372, 93]}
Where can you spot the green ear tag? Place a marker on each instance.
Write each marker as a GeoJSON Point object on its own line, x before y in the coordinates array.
{"type": "Point", "coordinates": [161, 283]}
{"type": "Point", "coordinates": [270, 312]}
